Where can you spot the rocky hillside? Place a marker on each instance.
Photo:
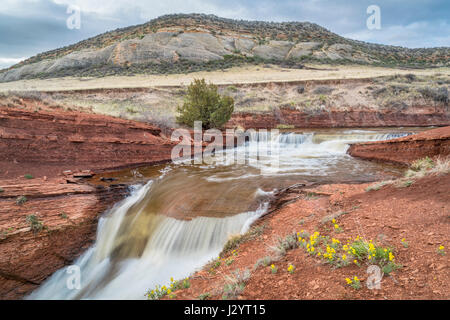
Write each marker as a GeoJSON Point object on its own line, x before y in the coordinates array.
{"type": "Point", "coordinates": [184, 43]}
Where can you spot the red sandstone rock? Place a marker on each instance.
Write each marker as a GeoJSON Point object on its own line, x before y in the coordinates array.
{"type": "Point", "coordinates": [69, 213]}
{"type": "Point", "coordinates": [415, 116]}
{"type": "Point", "coordinates": [49, 142]}
{"type": "Point", "coordinates": [405, 150]}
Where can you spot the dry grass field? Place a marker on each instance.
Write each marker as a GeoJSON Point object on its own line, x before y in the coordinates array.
{"type": "Point", "coordinates": [237, 75]}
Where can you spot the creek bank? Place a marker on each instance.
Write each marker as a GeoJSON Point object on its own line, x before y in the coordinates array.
{"type": "Point", "coordinates": [417, 213]}
{"type": "Point", "coordinates": [418, 116]}
{"type": "Point", "coordinates": [43, 142]}
{"type": "Point", "coordinates": [46, 155]}
{"type": "Point", "coordinates": [405, 150]}
{"type": "Point", "coordinates": [67, 217]}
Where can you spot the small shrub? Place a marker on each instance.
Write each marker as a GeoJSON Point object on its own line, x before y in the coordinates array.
{"type": "Point", "coordinates": [235, 284]}
{"type": "Point", "coordinates": [323, 90]}
{"type": "Point", "coordinates": [410, 77]}
{"type": "Point", "coordinates": [389, 267]}
{"type": "Point", "coordinates": [34, 223]}
{"type": "Point", "coordinates": [204, 296]}
{"type": "Point", "coordinates": [291, 269]}
{"type": "Point", "coordinates": [232, 88]}
{"type": "Point", "coordinates": [180, 284]}
{"type": "Point", "coordinates": [203, 103]}
{"type": "Point", "coordinates": [273, 269]}
{"type": "Point", "coordinates": [160, 291]}
{"type": "Point", "coordinates": [28, 176]}
{"type": "Point", "coordinates": [300, 89]}
{"type": "Point", "coordinates": [1, 190]}
{"type": "Point", "coordinates": [229, 261]}
{"type": "Point", "coordinates": [21, 200]}
{"type": "Point", "coordinates": [437, 94]}
{"type": "Point", "coordinates": [157, 293]}
{"type": "Point", "coordinates": [354, 282]}
{"type": "Point", "coordinates": [422, 164]}
{"type": "Point", "coordinates": [266, 261]}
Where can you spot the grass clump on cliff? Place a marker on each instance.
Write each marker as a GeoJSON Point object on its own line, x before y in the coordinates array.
{"type": "Point", "coordinates": [21, 200]}
{"type": "Point", "coordinates": [203, 103]}
{"type": "Point", "coordinates": [34, 223]}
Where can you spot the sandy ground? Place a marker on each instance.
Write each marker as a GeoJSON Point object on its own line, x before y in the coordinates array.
{"type": "Point", "coordinates": [249, 74]}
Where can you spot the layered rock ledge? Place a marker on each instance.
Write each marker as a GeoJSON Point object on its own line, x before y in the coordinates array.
{"type": "Point", "coordinates": [432, 143]}
{"type": "Point", "coordinates": [41, 142]}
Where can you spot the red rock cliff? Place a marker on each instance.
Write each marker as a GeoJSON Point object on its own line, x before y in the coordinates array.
{"type": "Point", "coordinates": [415, 116]}
{"type": "Point", "coordinates": [46, 143]}
{"type": "Point", "coordinates": [405, 150]}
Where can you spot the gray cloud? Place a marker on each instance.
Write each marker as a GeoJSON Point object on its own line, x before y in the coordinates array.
{"type": "Point", "coordinates": [28, 27]}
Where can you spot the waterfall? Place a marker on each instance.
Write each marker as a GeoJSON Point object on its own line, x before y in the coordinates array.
{"type": "Point", "coordinates": [180, 220]}
{"type": "Point", "coordinates": [131, 256]}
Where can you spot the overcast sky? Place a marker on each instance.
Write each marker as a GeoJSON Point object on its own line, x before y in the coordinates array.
{"type": "Point", "coordinates": [28, 27]}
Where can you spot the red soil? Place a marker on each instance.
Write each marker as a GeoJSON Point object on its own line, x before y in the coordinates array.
{"type": "Point", "coordinates": [418, 213]}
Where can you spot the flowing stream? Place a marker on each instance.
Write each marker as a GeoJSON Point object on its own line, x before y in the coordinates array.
{"type": "Point", "coordinates": [182, 215]}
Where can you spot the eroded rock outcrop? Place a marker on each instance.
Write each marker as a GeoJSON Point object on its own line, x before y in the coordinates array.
{"type": "Point", "coordinates": [48, 142]}
{"type": "Point", "coordinates": [48, 212]}
{"type": "Point", "coordinates": [405, 150]}
{"type": "Point", "coordinates": [335, 118]}
{"type": "Point", "coordinates": [64, 225]}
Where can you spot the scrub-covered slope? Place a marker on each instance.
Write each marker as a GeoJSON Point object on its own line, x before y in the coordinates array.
{"type": "Point", "coordinates": [189, 42]}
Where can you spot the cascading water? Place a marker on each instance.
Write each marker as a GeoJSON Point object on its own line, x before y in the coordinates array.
{"type": "Point", "coordinates": [181, 219]}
